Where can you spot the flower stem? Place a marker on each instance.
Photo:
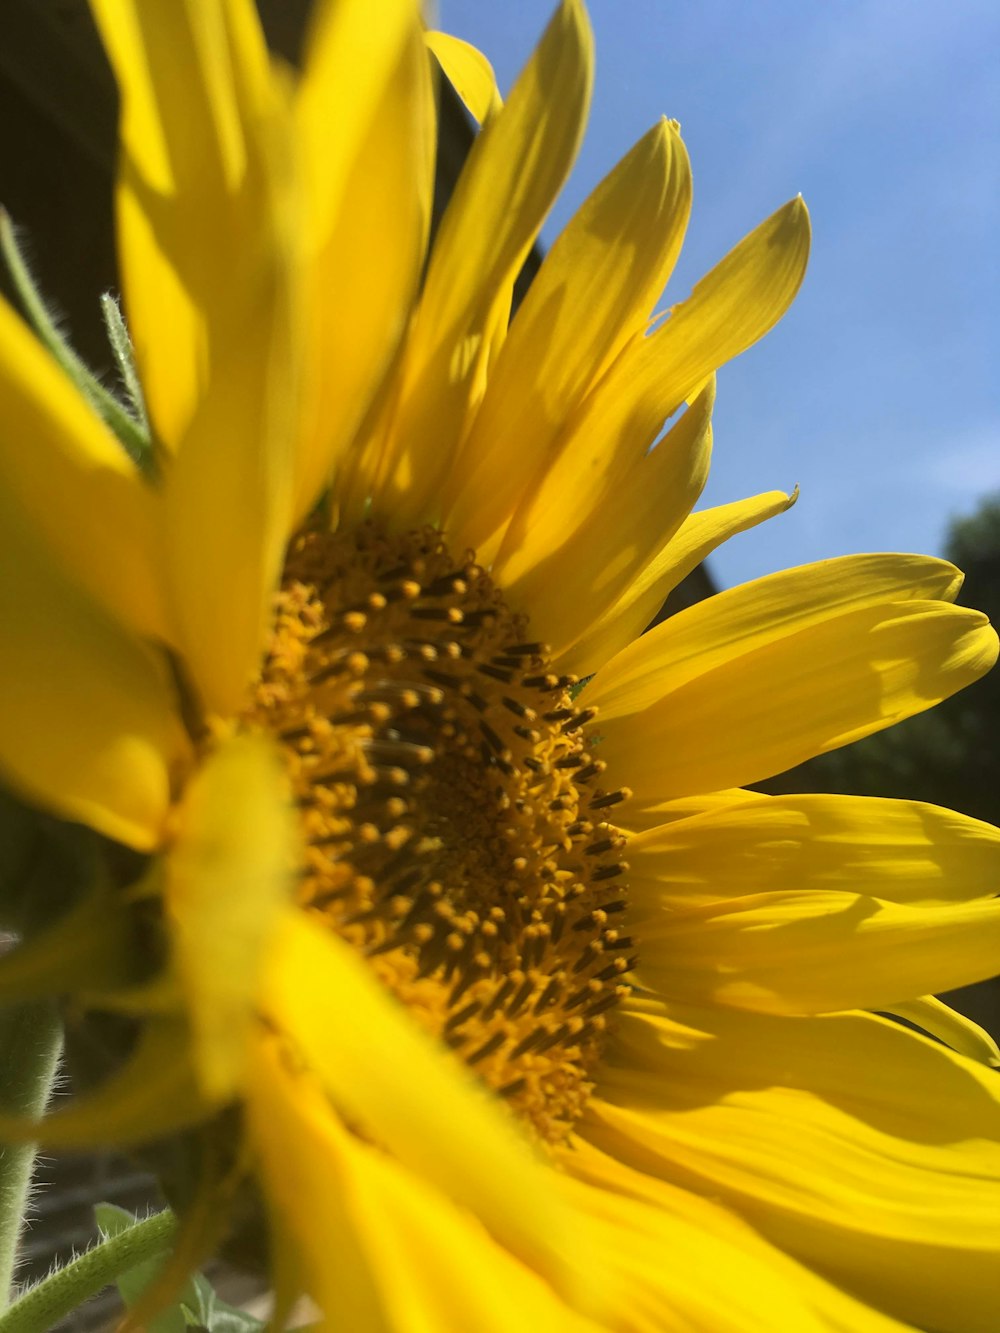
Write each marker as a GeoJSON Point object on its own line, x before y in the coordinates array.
{"type": "Point", "coordinates": [41, 1306]}
{"type": "Point", "coordinates": [30, 1044]}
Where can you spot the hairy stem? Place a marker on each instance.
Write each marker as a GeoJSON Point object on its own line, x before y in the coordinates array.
{"type": "Point", "coordinates": [61, 1292]}
{"type": "Point", "coordinates": [30, 1044]}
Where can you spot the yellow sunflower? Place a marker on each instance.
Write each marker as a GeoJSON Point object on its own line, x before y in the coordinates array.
{"type": "Point", "coordinates": [531, 1016]}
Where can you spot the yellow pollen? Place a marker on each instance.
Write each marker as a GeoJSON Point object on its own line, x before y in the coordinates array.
{"type": "Point", "coordinates": [462, 851]}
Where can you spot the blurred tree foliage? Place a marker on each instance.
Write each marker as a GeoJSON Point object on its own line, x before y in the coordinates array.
{"type": "Point", "coordinates": [949, 755]}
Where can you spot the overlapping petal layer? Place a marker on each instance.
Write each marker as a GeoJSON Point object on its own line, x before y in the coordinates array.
{"type": "Point", "coordinates": [816, 903]}
{"type": "Point", "coordinates": [314, 982]}
{"type": "Point", "coordinates": [649, 1223]}
{"type": "Point", "coordinates": [616, 627]}
{"type": "Point", "coordinates": [194, 172]}
{"type": "Point", "coordinates": [577, 577]}
{"type": "Point", "coordinates": [592, 295]}
{"type": "Point", "coordinates": [368, 191]}
{"type": "Point", "coordinates": [383, 1249]}
{"type": "Point", "coordinates": [900, 851]}
{"type": "Point", "coordinates": [818, 951]}
{"type": "Point", "coordinates": [513, 175]}
{"type": "Point", "coordinates": [864, 1150]}
{"type": "Point", "coordinates": [961, 1034]}
{"type": "Point", "coordinates": [612, 429]}
{"type": "Point", "coordinates": [215, 328]}
{"type": "Point", "coordinates": [757, 679]}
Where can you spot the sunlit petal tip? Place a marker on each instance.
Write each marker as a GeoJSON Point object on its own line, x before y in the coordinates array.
{"type": "Point", "coordinates": [672, 156]}
{"type": "Point", "coordinates": [979, 647]}
{"type": "Point", "coordinates": [954, 1029]}
{"type": "Point", "coordinates": [664, 132]}
{"type": "Point", "coordinates": [792, 229]}
{"type": "Point", "coordinates": [574, 21]}
{"type": "Point", "coordinates": [469, 73]}
{"type": "Point", "coordinates": [951, 591]}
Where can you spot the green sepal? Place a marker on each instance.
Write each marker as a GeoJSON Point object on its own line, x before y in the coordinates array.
{"type": "Point", "coordinates": [122, 350]}
{"type": "Point", "coordinates": [133, 432]}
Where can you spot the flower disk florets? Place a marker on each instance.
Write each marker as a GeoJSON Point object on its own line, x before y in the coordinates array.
{"type": "Point", "coordinates": [454, 822]}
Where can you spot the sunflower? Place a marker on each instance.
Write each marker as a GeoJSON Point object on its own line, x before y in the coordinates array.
{"type": "Point", "coordinates": [458, 932]}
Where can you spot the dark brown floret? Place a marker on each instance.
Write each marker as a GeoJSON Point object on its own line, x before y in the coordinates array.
{"type": "Point", "coordinates": [454, 834]}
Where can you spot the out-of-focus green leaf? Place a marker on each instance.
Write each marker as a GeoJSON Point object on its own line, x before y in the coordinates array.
{"type": "Point", "coordinates": [197, 1307]}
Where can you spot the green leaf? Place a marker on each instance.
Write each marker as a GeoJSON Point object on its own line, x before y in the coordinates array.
{"type": "Point", "coordinates": [198, 1306]}
{"type": "Point", "coordinates": [227, 1319]}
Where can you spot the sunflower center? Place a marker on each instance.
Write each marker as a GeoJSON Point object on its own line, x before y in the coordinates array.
{"type": "Point", "coordinates": [455, 824]}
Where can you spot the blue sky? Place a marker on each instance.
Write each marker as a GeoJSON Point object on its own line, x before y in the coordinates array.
{"type": "Point", "coordinates": [879, 393]}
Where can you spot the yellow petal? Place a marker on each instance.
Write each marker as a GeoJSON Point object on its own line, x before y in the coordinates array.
{"type": "Point", "coordinates": [697, 537]}
{"type": "Point", "coordinates": [901, 851]}
{"type": "Point", "coordinates": [206, 232]}
{"type": "Point", "coordinates": [368, 190]}
{"type": "Point", "coordinates": [91, 945]}
{"type": "Point", "coordinates": [228, 878]}
{"type": "Point", "coordinates": [814, 952]}
{"type": "Point", "coordinates": [227, 499]}
{"type": "Point", "coordinates": [469, 73]}
{"type": "Point", "coordinates": [948, 1025]}
{"type": "Point", "coordinates": [152, 1095]}
{"type": "Point", "coordinates": [158, 998]}
{"type": "Point", "coordinates": [756, 614]}
{"type": "Point", "coordinates": [82, 491]}
{"type": "Point", "coordinates": [386, 1076]}
{"type": "Point", "coordinates": [559, 574]}
{"type": "Point", "coordinates": [639, 816]}
{"type": "Point", "coordinates": [593, 293]}
{"type": "Point", "coordinates": [811, 692]}
{"type": "Point", "coordinates": [89, 726]}
{"type": "Point", "coordinates": [191, 199]}
{"type": "Point", "coordinates": [729, 309]}
{"type": "Point", "coordinates": [859, 1148]}
{"type": "Point", "coordinates": [646, 1218]}
{"type": "Point", "coordinates": [349, 63]}
{"type": "Point", "coordinates": [382, 1249]}
{"type": "Point", "coordinates": [757, 679]}
{"type": "Point", "coordinates": [507, 187]}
